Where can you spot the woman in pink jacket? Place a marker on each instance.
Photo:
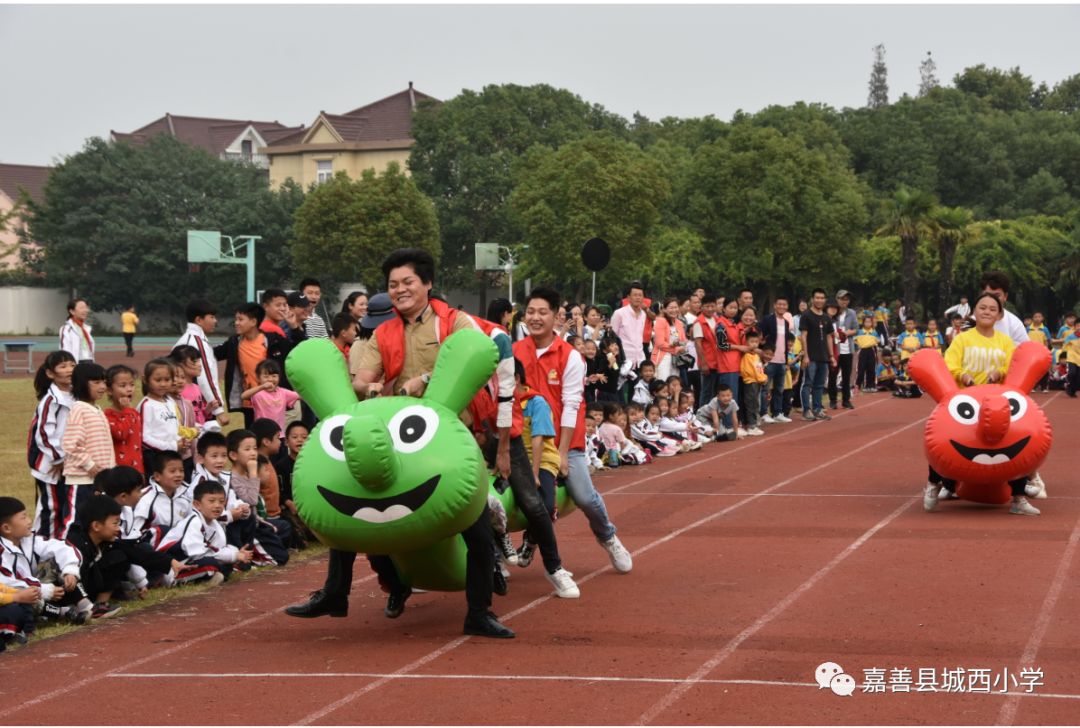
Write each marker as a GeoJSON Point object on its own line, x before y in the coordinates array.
{"type": "Point", "coordinates": [669, 339]}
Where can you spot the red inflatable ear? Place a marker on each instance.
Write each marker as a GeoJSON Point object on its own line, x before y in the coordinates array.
{"type": "Point", "coordinates": [927, 368]}
{"type": "Point", "coordinates": [1030, 361]}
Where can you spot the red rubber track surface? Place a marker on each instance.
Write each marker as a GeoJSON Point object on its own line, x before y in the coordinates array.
{"type": "Point", "coordinates": [753, 563]}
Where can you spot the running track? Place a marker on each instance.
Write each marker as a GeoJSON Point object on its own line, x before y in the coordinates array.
{"type": "Point", "coordinates": [754, 562]}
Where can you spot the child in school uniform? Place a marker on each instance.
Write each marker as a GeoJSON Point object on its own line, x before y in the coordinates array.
{"type": "Point", "coordinates": [166, 501]}
{"type": "Point", "coordinates": [161, 424]}
{"type": "Point", "coordinates": [199, 540]}
{"type": "Point", "coordinates": [752, 372]}
{"type": "Point", "coordinates": [647, 436]}
{"type": "Point", "coordinates": [55, 510]}
{"type": "Point", "coordinates": [613, 434]}
{"type": "Point", "coordinates": [868, 340]}
{"type": "Point", "coordinates": [238, 519]}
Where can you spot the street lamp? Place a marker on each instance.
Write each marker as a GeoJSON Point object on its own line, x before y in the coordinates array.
{"type": "Point", "coordinates": [508, 268]}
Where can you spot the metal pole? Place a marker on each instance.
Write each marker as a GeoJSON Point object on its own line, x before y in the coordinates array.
{"type": "Point", "coordinates": [594, 288]}
{"type": "Point", "coordinates": [511, 286]}
{"type": "Point", "coordinates": [251, 269]}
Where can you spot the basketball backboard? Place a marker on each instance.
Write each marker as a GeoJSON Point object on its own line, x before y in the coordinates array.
{"type": "Point", "coordinates": [487, 257]}
{"type": "Point", "coordinates": [203, 246]}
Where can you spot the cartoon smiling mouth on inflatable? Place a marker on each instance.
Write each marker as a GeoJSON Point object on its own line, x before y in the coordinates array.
{"type": "Point", "coordinates": [984, 456]}
{"type": "Point", "coordinates": [382, 510]}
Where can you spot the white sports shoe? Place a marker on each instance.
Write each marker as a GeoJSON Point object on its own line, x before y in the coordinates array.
{"type": "Point", "coordinates": [755, 432]}
{"type": "Point", "coordinates": [769, 420]}
{"type": "Point", "coordinates": [1021, 507]}
{"type": "Point", "coordinates": [1035, 487]}
{"type": "Point", "coordinates": [563, 582]}
{"type": "Point", "coordinates": [620, 557]}
{"type": "Point", "coordinates": [929, 499]}
{"type": "Point", "coordinates": [741, 432]}
{"type": "Point", "coordinates": [782, 418]}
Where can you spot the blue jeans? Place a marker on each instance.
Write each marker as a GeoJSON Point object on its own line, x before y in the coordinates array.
{"type": "Point", "coordinates": [775, 373]}
{"type": "Point", "coordinates": [585, 496]}
{"type": "Point", "coordinates": [814, 382]}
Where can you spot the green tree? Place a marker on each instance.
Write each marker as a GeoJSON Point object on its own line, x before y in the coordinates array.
{"type": "Point", "coordinates": [908, 216]}
{"type": "Point", "coordinates": [879, 83]}
{"type": "Point", "coordinates": [595, 186]}
{"type": "Point", "coordinates": [113, 221]}
{"type": "Point", "coordinates": [1065, 96]}
{"type": "Point", "coordinates": [951, 228]}
{"type": "Point", "coordinates": [466, 149]}
{"type": "Point", "coordinates": [771, 210]}
{"type": "Point", "coordinates": [357, 223]}
{"type": "Point", "coordinates": [1005, 90]}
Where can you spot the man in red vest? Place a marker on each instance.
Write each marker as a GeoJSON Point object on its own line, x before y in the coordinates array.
{"type": "Point", "coordinates": [703, 333]}
{"type": "Point", "coordinates": [399, 359]}
{"type": "Point", "coordinates": [556, 370]}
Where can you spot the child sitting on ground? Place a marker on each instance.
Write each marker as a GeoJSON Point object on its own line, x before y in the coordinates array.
{"type": "Point", "coordinates": [147, 567]}
{"type": "Point", "coordinates": [199, 540]}
{"type": "Point", "coordinates": [647, 435]}
{"type": "Point", "coordinates": [905, 386]}
{"type": "Point", "coordinates": [886, 371]}
{"type": "Point", "coordinates": [613, 435]}
{"type": "Point", "coordinates": [212, 455]}
{"type": "Point", "coordinates": [296, 434]}
{"type": "Point", "coordinates": [23, 553]}
{"type": "Point", "coordinates": [268, 436]}
{"type": "Point", "coordinates": [104, 564]}
{"type": "Point", "coordinates": [272, 533]}
{"type": "Point", "coordinates": [684, 433]}
{"type": "Point", "coordinates": [594, 446]}
{"type": "Point", "coordinates": [646, 375]}
{"type": "Point", "coordinates": [166, 501]}
{"type": "Point", "coordinates": [721, 414]}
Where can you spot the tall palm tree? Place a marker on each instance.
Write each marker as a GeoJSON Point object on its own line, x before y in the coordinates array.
{"type": "Point", "coordinates": [952, 228]}
{"type": "Point", "coordinates": [908, 215]}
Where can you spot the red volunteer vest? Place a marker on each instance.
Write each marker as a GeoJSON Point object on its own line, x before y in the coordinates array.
{"type": "Point", "coordinates": [729, 360]}
{"type": "Point", "coordinates": [391, 338]}
{"type": "Point", "coordinates": [490, 405]}
{"type": "Point", "coordinates": [708, 335]}
{"type": "Point", "coordinates": [545, 375]}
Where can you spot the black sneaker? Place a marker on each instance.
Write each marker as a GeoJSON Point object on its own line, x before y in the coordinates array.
{"type": "Point", "coordinates": [506, 548]}
{"type": "Point", "coordinates": [499, 584]}
{"type": "Point", "coordinates": [104, 610]}
{"type": "Point", "coordinates": [807, 416]}
{"type": "Point", "coordinates": [820, 415]}
{"type": "Point", "coordinates": [848, 405]}
{"type": "Point", "coordinates": [487, 625]}
{"type": "Point", "coordinates": [526, 552]}
{"type": "Point", "coordinates": [832, 405]}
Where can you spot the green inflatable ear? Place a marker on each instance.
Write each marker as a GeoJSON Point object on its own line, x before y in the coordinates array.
{"type": "Point", "coordinates": [318, 371]}
{"type": "Point", "coordinates": [466, 360]}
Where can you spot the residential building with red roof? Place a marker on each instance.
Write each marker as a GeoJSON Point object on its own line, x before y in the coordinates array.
{"type": "Point", "coordinates": [15, 180]}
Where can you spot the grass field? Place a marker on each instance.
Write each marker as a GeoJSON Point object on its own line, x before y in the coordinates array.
{"type": "Point", "coordinates": [17, 402]}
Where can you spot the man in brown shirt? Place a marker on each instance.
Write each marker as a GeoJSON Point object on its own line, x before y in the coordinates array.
{"type": "Point", "coordinates": [409, 275]}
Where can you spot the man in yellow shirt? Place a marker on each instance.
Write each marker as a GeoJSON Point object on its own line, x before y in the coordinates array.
{"type": "Point", "coordinates": [128, 322]}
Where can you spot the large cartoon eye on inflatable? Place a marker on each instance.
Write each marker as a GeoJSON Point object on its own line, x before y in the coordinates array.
{"type": "Point", "coordinates": [986, 435]}
{"type": "Point", "coordinates": [394, 475]}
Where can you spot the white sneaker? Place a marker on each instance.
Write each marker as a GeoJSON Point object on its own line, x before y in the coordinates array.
{"type": "Point", "coordinates": [769, 420]}
{"type": "Point", "coordinates": [620, 557]}
{"type": "Point", "coordinates": [740, 432]}
{"type": "Point", "coordinates": [755, 432]}
{"type": "Point", "coordinates": [563, 582]}
{"type": "Point", "coordinates": [1021, 507]}
{"type": "Point", "coordinates": [782, 418]}
{"type": "Point", "coordinates": [929, 499]}
{"type": "Point", "coordinates": [946, 494]}
{"type": "Point", "coordinates": [1035, 487]}
{"type": "Point", "coordinates": [217, 579]}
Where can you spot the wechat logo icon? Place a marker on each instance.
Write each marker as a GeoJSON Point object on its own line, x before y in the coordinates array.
{"type": "Point", "coordinates": [832, 676]}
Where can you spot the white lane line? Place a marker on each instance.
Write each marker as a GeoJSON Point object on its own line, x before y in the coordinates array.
{"type": "Point", "coordinates": [732, 450]}
{"type": "Point", "coordinates": [321, 713]}
{"type": "Point", "coordinates": [504, 677]}
{"type": "Point", "coordinates": [79, 684]}
{"type": "Point", "coordinates": [1042, 622]}
{"type": "Point", "coordinates": [779, 495]}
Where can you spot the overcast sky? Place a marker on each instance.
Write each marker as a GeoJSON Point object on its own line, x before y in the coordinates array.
{"type": "Point", "coordinates": [75, 72]}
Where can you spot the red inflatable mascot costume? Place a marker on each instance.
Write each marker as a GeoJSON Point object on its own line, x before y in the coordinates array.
{"type": "Point", "coordinates": [985, 435]}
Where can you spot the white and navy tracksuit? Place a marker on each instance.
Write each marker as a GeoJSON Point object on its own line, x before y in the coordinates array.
{"type": "Point", "coordinates": [202, 543]}
{"type": "Point", "coordinates": [238, 533]}
{"type": "Point", "coordinates": [77, 341]}
{"type": "Point", "coordinates": [161, 429]}
{"type": "Point", "coordinates": [209, 381]}
{"type": "Point", "coordinates": [156, 513]}
{"type": "Point", "coordinates": [19, 561]}
{"type": "Point", "coordinates": [56, 506]}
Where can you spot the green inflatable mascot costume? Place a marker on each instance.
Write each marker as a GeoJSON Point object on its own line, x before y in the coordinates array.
{"type": "Point", "coordinates": [394, 475]}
